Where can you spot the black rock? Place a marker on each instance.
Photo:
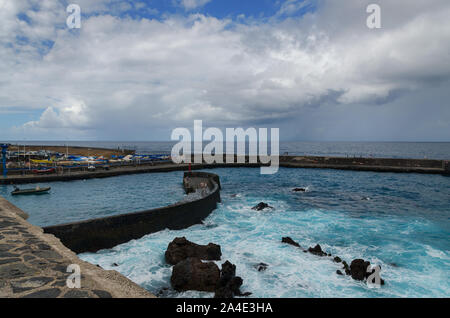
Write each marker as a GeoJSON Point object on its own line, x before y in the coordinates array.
{"type": "Point", "coordinates": [339, 273]}
{"type": "Point", "coordinates": [229, 284]}
{"type": "Point", "coordinates": [193, 274]}
{"type": "Point", "coordinates": [261, 206]}
{"type": "Point", "coordinates": [261, 267]}
{"type": "Point", "coordinates": [290, 241]}
{"type": "Point", "coordinates": [337, 259]}
{"type": "Point", "coordinates": [181, 249]}
{"type": "Point", "coordinates": [299, 190]}
{"type": "Point", "coordinates": [358, 269]}
{"type": "Point", "coordinates": [317, 250]}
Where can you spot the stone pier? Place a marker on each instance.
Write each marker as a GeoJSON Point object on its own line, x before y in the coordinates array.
{"type": "Point", "coordinates": [34, 265]}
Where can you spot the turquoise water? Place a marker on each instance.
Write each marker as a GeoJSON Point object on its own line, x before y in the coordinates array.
{"type": "Point", "coordinates": [82, 200]}
{"type": "Point", "coordinates": [399, 221]}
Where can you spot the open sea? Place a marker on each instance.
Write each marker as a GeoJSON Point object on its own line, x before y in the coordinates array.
{"type": "Point", "coordinates": [399, 221]}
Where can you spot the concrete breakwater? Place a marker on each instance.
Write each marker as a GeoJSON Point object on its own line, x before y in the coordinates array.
{"type": "Point", "coordinates": [35, 265]}
{"type": "Point", "coordinates": [104, 233]}
{"type": "Point", "coordinates": [424, 166]}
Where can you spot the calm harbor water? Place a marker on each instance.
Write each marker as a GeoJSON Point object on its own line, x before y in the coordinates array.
{"type": "Point", "coordinates": [95, 198]}
{"type": "Point", "coordinates": [399, 221]}
{"type": "Point", "coordinates": [414, 150]}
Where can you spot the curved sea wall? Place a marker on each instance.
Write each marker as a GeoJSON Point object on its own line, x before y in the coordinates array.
{"type": "Point", "coordinates": [104, 233]}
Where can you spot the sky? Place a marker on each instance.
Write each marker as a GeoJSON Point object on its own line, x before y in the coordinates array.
{"type": "Point", "coordinates": [136, 70]}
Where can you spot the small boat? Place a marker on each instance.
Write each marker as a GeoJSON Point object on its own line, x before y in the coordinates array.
{"type": "Point", "coordinates": [43, 171]}
{"type": "Point", "coordinates": [36, 190]}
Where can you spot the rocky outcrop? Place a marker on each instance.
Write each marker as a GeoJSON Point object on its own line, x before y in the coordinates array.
{"type": "Point", "coordinates": [358, 269]}
{"type": "Point", "coordinates": [193, 274]}
{"type": "Point", "coordinates": [190, 273]}
{"type": "Point", "coordinates": [229, 284]}
{"type": "Point", "coordinates": [261, 206]}
{"type": "Point", "coordinates": [288, 240]}
{"type": "Point", "coordinates": [261, 267]}
{"type": "Point", "coordinates": [180, 249]}
{"type": "Point", "coordinates": [317, 250]}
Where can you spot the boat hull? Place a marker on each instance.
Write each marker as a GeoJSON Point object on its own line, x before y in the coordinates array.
{"type": "Point", "coordinates": [30, 191]}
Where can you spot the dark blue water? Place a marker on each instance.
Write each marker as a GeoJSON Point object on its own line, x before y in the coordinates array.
{"type": "Point", "coordinates": [412, 150]}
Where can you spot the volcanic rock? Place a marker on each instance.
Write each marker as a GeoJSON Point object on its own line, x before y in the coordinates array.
{"type": "Point", "coordinates": [290, 241]}
{"type": "Point", "coordinates": [317, 250]}
{"type": "Point", "coordinates": [261, 267]}
{"type": "Point", "coordinates": [261, 206]}
{"type": "Point", "coordinates": [193, 274]}
{"type": "Point", "coordinates": [358, 269]}
{"type": "Point", "coordinates": [229, 284]}
{"type": "Point", "coordinates": [180, 249]}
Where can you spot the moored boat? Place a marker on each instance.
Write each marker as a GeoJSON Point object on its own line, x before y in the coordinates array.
{"type": "Point", "coordinates": [36, 190]}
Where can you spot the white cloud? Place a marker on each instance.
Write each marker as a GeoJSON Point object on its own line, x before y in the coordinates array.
{"type": "Point", "coordinates": [189, 5]}
{"type": "Point", "coordinates": [119, 72]}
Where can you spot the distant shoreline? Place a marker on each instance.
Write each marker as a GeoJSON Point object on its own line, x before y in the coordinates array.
{"type": "Point", "coordinates": [398, 150]}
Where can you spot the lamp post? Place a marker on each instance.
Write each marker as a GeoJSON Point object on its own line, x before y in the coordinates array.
{"type": "Point", "coordinates": [4, 148]}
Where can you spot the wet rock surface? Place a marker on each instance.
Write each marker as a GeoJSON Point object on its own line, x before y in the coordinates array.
{"type": "Point", "coordinates": [191, 271]}
{"type": "Point", "coordinates": [193, 274]}
{"type": "Point", "coordinates": [288, 240]}
{"type": "Point", "coordinates": [229, 284]}
{"type": "Point", "coordinates": [180, 249]}
{"type": "Point", "coordinates": [261, 267]}
{"type": "Point", "coordinates": [317, 250]}
{"type": "Point", "coordinates": [261, 206]}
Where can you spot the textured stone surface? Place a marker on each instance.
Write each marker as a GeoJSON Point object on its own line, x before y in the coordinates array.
{"type": "Point", "coordinates": [180, 249]}
{"type": "Point", "coordinates": [193, 274]}
{"type": "Point", "coordinates": [45, 293]}
{"type": "Point", "coordinates": [34, 265]}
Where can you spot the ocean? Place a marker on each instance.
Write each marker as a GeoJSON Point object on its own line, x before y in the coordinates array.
{"type": "Point", "coordinates": [410, 150]}
{"type": "Point", "coordinates": [398, 221]}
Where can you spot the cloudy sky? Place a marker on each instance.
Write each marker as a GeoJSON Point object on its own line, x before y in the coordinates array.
{"type": "Point", "coordinates": [135, 70]}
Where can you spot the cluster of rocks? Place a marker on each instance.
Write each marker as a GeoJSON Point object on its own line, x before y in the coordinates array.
{"type": "Point", "coordinates": [358, 268]}
{"type": "Point", "coordinates": [191, 273]}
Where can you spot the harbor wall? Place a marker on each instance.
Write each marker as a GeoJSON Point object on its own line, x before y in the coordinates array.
{"type": "Point", "coordinates": [104, 233]}
{"type": "Point", "coordinates": [424, 166]}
